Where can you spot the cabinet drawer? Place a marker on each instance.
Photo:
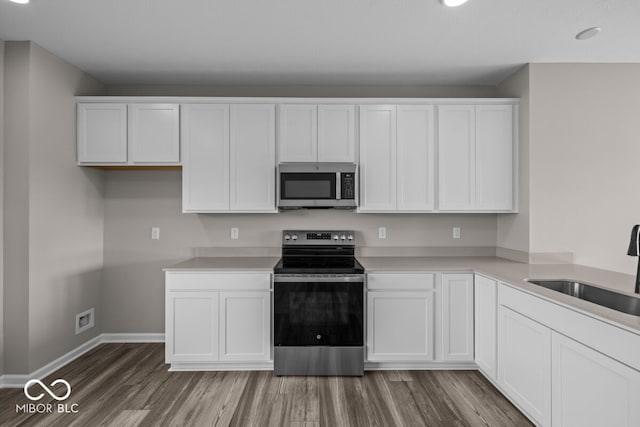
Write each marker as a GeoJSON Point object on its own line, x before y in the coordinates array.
{"type": "Point", "coordinates": [400, 281]}
{"type": "Point", "coordinates": [217, 281]}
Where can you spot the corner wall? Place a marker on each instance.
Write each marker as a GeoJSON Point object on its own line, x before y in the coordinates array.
{"type": "Point", "coordinates": [1, 207]}
{"type": "Point", "coordinates": [584, 156]}
{"type": "Point", "coordinates": [54, 245]}
{"type": "Point", "coordinates": [513, 229]}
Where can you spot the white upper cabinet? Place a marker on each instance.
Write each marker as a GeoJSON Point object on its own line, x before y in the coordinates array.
{"type": "Point", "coordinates": [253, 157]}
{"type": "Point", "coordinates": [154, 133]}
{"type": "Point", "coordinates": [102, 133]}
{"type": "Point", "coordinates": [377, 158]}
{"type": "Point", "coordinates": [397, 163]}
{"type": "Point", "coordinates": [456, 154]}
{"type": "Point", "coordinates": [229, 158]}
{"type": "Point", "coordinates": [121, 134]}
{"type": "Point", "coordinates": [494, 157]}
{"type": "Point", "coordinates": [316, 133]}
{"type": "Point", "coordinates": [475, 158]}
{"type": "Point", "coordinates": [336, 133]}
{"type": "Point", "coordinates": [415, 180]}
{"type": "Point", "coordinates": [298, 133]}
{"type": "Point", "coordinates": [205, 157]}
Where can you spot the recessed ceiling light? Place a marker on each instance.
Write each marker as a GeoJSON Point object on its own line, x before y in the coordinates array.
{"type": "Point", "coordinates": [20, 1]}
{"type": "Point", "coordinates": [588, 33]}
{"type": "Point", "coordinates": [453, 3]}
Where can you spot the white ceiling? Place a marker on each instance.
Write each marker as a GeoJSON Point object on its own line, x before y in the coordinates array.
{"type": "Point", "coordinates": [417, 42]}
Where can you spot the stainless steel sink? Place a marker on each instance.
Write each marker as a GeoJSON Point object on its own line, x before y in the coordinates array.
{"type": "Point", "coordinates": [610, 299]}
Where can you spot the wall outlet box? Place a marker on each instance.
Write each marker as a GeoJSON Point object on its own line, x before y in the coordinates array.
{"type": "Point", "coordinates": [234, 233]}
{"type": "Point", "coordinates": [382, 232]}
{"type": "Point", "coordinates": [456, 232]}
{"type": "Point", "coordinates": [155, 233]}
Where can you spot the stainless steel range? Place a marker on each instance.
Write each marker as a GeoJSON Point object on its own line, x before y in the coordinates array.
{"type": "Point", "coordinates": [318, 315]}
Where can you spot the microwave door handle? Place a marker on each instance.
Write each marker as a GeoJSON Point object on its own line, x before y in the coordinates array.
{"type": "Point", "coordinates": [338, 186]}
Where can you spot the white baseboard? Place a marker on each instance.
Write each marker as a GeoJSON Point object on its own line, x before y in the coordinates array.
{"type": "Point", "coordinates": [439, 365]}
{"type": "Point", "coordinates": [18, 381]}
{"type": "Point", "coordinates": [244, 366]}
{"type": "Point", "coordinates": [121, 338]}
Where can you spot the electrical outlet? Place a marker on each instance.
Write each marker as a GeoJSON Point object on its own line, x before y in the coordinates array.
{"type": "Point", "coordinates": [234, 233]}
{"type": "Point", "coordinates": [155, 233]}
{"type": "Point", "coordinates": [456, 232]}
{"type": "Point", "coordinates": [382, 232]}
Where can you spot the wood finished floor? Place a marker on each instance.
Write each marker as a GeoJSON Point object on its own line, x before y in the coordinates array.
{"type": "Point", "coordinates": [129, 385]}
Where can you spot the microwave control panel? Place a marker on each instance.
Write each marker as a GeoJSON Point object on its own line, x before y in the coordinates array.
{"type": "Point", "coordinates": [347, 186]}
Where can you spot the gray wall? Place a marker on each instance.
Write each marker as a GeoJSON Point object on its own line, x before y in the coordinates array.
{"type": "Point", "coordinates": [584, 155]}
{"type": "Point", "coordinates": [135, 201]}
{"type": "Point", "coordinates": [1, 207]}
{"type": "Point", "coordinates": [16, 208]}
{"type": "Point", "coordinates": [54, 210]}
{"type": "Point", "coordinates": [513, 229]}
{"type": "Point", "coordinates": [305, 91]}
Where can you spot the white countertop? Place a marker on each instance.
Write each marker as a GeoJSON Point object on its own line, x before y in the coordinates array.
{"type": "Point", "coordinates": [516, 273]}
{"type": "Point", "coordinates": [226, 264]}
{"type": "Point", "coordinates": [509, 272]}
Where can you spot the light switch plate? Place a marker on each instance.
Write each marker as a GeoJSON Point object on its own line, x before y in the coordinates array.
{"type": "Point", "coordinates": [234, 233]}
{"type": "Point", "coordinates": [155, 233]}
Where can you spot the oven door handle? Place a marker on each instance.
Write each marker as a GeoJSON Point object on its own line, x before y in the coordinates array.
{"type": "Point", "coordinates": [284, 278]}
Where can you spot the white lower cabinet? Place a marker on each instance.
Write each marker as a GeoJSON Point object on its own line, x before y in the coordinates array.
{"type": "Point", "coordinates": [524, 367]}
{"type": "Point", "coordinates": [218, 320]}
{"type": "Point", "coordinates": [245, 325]}
{"type": "Point", "coordinates": [191, 326]}
{"type": "Point", "coordinates": [457, 317]}
{"type": "Point", "coordinates": [591, 389]}
{"type": "Point", "coordinates": [419, 319]}
{"type": "Point", "coordinates": [485, 326]}
{"type": "Point", "coordinates": [559, 381]}
{"type": "Point", "coordinates": [400, 326]}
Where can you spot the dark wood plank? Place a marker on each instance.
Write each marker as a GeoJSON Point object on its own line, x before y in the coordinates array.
{"type": "Point", "coordinates": [130, 385]}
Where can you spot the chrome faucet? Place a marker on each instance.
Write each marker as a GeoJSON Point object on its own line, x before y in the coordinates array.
{"type": "Point", "coordinates": [634, 250]}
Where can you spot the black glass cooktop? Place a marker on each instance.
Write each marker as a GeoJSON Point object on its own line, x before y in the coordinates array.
{"type": "Point", "coordinates": [318, 265]}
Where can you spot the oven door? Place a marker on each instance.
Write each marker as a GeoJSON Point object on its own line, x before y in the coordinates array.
{"type": "Point", "coordinates": [321, 311]}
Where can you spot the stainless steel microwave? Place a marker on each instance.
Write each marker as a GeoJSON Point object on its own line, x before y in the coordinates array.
{"type": "Point", "coordinates": [317, 185]}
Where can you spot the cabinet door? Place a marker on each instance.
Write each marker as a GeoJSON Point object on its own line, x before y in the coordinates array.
{"type": "Point", "coordinates": [524, 363]}
{"type": "Point", "coordinates": [591, 389]}
{"type": "Point", "coordinates": [298, 133]}
{"type": "Point", "coordinates": [415, 157]}
{"type": "Point", "coordinates": [485, 325]}
{"type": "Point", "coordinates": [154, 133]}
{"type": "Point", "coordinates": [336, 133]}
{"type": "Point", "coordinates": [253, 157]}
{"type": "Point", "coordinates": [494, 157]}
{"type": "Point", "coordinates": [456, 157]}
{"type": "Point", "coordinates": [400, 326]}
{"type": "Point", "coordinates": [102, 133]}
{"type": "Point", "coordinates": [377, 157]}
{"type": "Point", "coordinates": [457, 316]}
{"type": "Point", "coordinates": [191, 326]}
{"type": "Point", "coordinates": [205, 168]}
{"type": "Point", "coordinates": [245, 326]}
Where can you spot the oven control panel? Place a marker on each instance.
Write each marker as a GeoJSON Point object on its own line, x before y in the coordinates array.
{"type": "Point", "coordinates": [325, 237]}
